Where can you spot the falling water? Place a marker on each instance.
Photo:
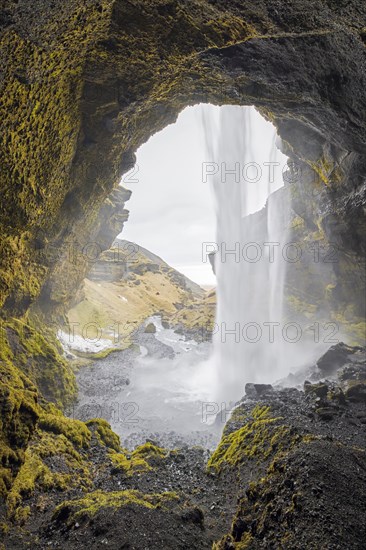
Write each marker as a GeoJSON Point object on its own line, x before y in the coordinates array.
{"type": "Point", "coordinates": [173, 387]}
{"type": "Point", "coordinates": [250, 269]}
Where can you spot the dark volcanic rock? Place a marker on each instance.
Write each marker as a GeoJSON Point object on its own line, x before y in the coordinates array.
{"type": "Point", "coordinates": [320, 390]}
{"type": "Point", "coordinates": [357, 392]}
{"type": "Point", "coordinates": [255, 390]}
{"type": "Point", "coordinates": [304, 455]}
{"type": "Point", "coordinates": [355, 371]}
{"type": "Point", "coordinates": [336, 357]}
{"type": "Point", "coordinates": [289, 472]}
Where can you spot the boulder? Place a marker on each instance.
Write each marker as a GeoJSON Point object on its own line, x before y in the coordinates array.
{"type": "Point", "coordinates": [336, 357]}
{"type": "Point", "coordinates": [356, 392]}
{"type": "Point", "coordinates": [150, 328]}
{"type": "Point", "coordinates": [320, 390]}
{"type": "Point", "coordinates": [256, 390]}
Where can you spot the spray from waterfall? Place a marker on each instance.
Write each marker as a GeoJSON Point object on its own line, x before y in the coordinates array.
{"type": "Point", "coordinates": [251, 230]}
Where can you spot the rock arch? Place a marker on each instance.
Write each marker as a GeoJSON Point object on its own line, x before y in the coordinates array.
{"type": "Point", "coordinates": [84, 83]}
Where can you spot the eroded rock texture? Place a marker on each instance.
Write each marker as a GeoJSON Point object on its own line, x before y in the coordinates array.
{"type": "Point", "coordinates": [85, 83]}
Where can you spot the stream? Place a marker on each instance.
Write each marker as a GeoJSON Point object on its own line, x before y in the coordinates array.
{"type": "Point", "coordinates": [150, 391]}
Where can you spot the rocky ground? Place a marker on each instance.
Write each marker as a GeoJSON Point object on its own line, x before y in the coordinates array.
{"type": "Point", "coordinates": [142, 393]}
{"type": "Point", "coordinates": [289, 473]}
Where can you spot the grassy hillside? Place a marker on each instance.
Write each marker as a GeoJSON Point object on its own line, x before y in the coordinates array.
{"type": "Point", "coordinates": [129, 284]}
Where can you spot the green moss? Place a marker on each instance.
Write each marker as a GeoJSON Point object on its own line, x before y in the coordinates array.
{"type": "Point", "coordinates": [56, 423]}
{"type": "Point", "coordinates": [105, 433]}
{"type": "Point", "coordinates": [32, 471]}
{"type": "Point", "coordinates": [149, 450]}
{"type": "Point", "coordinates": [22, 514]}
{"type": "Point", "coordinates": [19, 412]}
{"type": "Point", "coordinates": [5, 476]}
{"type": "Point", "coordinates": [122, 462]}
{"type": "Point", "coordinates": [258, 439]}
{"type": "Point", "coordinates": [37, 355]}
{"type": "Point", "coordinates": [4, 528]}
{"type": "Point", "coordinates": [29, 363]}
{"type": "Point", "coordinates": [41, 122]}
{"type": "Point", "coordinates": [74, 469]}
{"type": "Point", "coordinates": [75, 510]}
{"type": "Point", "coordinates": [256, 506]}
{"type": "Point", "coordinates": [142, 459]}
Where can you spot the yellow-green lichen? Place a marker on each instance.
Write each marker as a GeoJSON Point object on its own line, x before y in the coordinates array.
{"type": "Point", "coordinates": [75, 510]}
{"type": "Point", "coordinates": [74, 430]}
{"type": "Point", "coordinates": [104, 433]}
{"type": "Point", "coordinates": [324, 168]}
{"type": "Point", "coordinates": [260, 436]}
{"type": "Point", "coordinates": [142, 459]}
{"type": "Point", "coordinates": [351, 327]}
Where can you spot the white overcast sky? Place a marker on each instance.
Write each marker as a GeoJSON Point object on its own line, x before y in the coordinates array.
{"type": "Point", "coordinates": [172, 211]}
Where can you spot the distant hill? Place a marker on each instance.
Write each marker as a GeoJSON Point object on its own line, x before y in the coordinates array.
{"type": "Point", "coordinates": [127, 284]}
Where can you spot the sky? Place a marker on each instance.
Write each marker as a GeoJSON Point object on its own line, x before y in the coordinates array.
{"type": "Point", "coordinates": [172, 210]}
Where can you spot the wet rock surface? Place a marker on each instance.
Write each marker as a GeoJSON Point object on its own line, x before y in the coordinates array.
{"type": "Point", "coordinates": [338, 356]}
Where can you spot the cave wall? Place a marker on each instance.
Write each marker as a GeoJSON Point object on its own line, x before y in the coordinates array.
{"type": "Point", "coordinates": [84, 84]}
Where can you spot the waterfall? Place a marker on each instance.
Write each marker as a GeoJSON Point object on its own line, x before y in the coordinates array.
{"type": "Point", "coordinates": [252, 217]}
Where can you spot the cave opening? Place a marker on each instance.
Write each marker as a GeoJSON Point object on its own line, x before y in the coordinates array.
{"type": "Point", "coordinates": [189, 356]}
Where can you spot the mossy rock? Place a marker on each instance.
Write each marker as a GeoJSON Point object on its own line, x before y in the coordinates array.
{"type": "Point", "coordinates": [56, 423]}
{"type": "Point", "coordinates": [37, 353]}
{"type": "Point", "coordinates": [19, 411]}
{"type": "Point", "coordinates": [32, 370]}
{"type": "Point", "coordinates": [143, 459]}
{"type": "Point", "coordinates": [150, 328]}
{"type": "Point", "coordinates": [260, 438]}
{"type": "Point", "coordinates": [73, 511]}
{"type": "Point", "coordinates": [317, 390]}
{"type": "Point", "coordinates": [104, 433]}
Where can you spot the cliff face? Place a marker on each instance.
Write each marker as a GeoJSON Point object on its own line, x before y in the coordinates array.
{"type": "Point", "coordinates": [85, 83]}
